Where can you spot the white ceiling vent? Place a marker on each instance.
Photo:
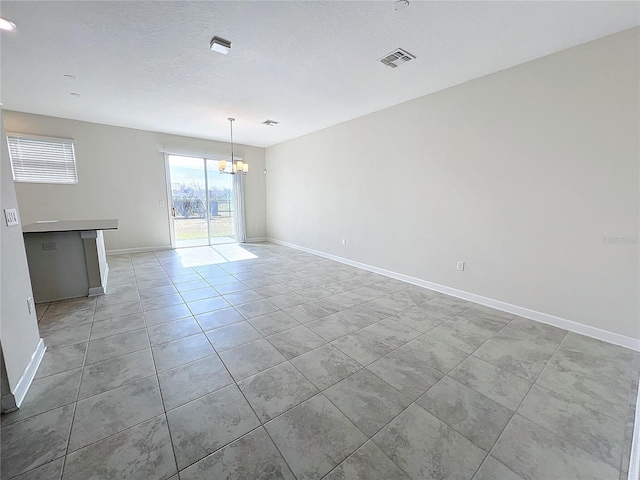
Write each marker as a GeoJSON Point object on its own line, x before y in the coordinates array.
{"type": "Point", "coordinates": [397, 58]}
{"type": "Point", "coordinates": [270, 123]}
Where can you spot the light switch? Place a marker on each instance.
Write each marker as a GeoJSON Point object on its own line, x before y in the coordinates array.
{"type": "Point", "coordinates": [11, 216]}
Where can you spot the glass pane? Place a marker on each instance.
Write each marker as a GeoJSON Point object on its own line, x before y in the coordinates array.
{"type": "Point", "coordinates": [188, 194]}
{"type": "Point", "coordinates": [220, 204]}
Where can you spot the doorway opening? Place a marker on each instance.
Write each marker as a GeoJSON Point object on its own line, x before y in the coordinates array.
{"type": "Point", "coordinates": [201, 208]}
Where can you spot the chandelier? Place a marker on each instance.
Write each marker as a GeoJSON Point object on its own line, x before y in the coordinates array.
{"type": "Point", "coordinates": [237, 166]}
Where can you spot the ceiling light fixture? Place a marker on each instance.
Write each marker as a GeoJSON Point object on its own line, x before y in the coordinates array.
{"type": "Point", "coordinates": [220, 45]}
{"type": "Point", "coordinates": [237, 166]}
{"type": "Point", "coordinates": [7, 25]}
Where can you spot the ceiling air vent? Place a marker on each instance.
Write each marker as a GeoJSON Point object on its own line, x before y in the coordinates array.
{"type": "Point", "coordinates": [397, 58]}
{"type": "Point", "coordinates": [270, 123]}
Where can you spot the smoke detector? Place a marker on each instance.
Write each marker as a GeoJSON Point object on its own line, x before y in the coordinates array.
{"type": "Point", "coordinates": [400, 5]}
{"type": "Point", "coordinates": [220, 45]}
{"type": "Point", "coordinates": [396, 58]}
{"type": "Point", "coordinates": [270, 123]}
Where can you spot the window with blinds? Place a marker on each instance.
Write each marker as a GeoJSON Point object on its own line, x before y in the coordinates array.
{"type": "Point", "coordinates": [42, 159]}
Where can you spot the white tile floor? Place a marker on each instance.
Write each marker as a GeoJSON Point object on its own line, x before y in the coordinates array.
{"type": "Point", "coordinates": [259, 361]}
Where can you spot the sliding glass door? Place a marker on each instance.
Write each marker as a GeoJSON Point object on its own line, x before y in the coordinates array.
{"type": "Point", "coordinates": [201, 202]}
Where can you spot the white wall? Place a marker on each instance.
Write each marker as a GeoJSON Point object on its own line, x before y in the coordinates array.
{"type": "Point", "coordinates": [19, 334]}
{"type": "Point", "coordinates": [121, 174]}
{"type": "Point", "coordinates": [520, 174]}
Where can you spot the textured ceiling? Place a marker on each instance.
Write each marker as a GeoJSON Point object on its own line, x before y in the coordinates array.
{"type": "Point", "coordinates": [307, 64]}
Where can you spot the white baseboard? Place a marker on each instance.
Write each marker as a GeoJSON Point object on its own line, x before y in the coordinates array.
{"type": "Point", "coordinates": [95, 291]}
{"type": "Point", "coordinates": [634, 463]}
{"type": "Point", "coordinates": [22, 387]}
{"type": "Point", "coordinates": [122, 251]}
{"type": "Point", "coordinates": [589, 331]}
{"type": "Point", "coordinates": [256, 240]}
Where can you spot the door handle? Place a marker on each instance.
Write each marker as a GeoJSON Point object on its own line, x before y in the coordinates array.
{"type": "Point", "coordinates": [173, 212]}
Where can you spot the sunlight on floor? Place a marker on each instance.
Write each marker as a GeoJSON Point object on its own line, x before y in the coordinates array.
{"type": "Point", "coordinates": [210, 255]}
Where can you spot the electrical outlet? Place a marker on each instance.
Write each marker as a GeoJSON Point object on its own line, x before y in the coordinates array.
{"type": "Point", "coordinates": [30, 305]}
{"type": "Point", "coordinates": [344, 241]}
{"type": "Point", "coordinates": [11, 216]}
{"type": "Point", "coordinates": [50, 246]}
{"type": "Point", "coordinates": [460, 265]}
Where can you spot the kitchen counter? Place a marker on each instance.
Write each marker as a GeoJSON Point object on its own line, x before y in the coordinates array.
{"type": "Point", "coordinates": [67, 258]}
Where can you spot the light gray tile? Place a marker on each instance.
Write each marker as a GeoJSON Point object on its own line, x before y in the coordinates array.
{"type": "Point", "coordinates": [46, 394]}
{"type": "Point", "coordinates": [288, 300]}
{"type": "Point", "coordinates": [234, 335]}
{"type": "Point", "coordinates": [467, 411]}
{"type": "Point", "coordinates": [369, 402]}
{"type": "Point", "coordinates": [167, 314]}
{"type": "Point", "coordinates": [71, 306]}
{"type": "Point", "coordinates": [113, 326]}
{"type": "Point", "coordinates": [66, 336]}
{"type": "Point", "coordinates": [426, 448]}
{"type": "Point", "coordinates": [107, 413]}
{"type": "Point", "coordinates": [256, 309]}
{"type": "Point", "coordinates": [114, 298]}
{"type": "Point", "coordinates": [157, 282]}
{"type": "Point", "coordinates": [586, 378]}
{"type": "Point", "coordinates": [162, 301]}
{"type": "Point", "coordinates": [276, 390]}
{"type": "Point", "coordinates": [48, 471]}
{"type": "Point", "coordinates": [490, 313]}
{"type": "Point", "coordinates": [61, 359]}
{"type": "Point", "coordinates": [207, 305]}
{"type": "Point", "coordinates": [325, 366]}
{"type": "Point", "coordinates": [178, 352]}
{"type": "Point", "coordinates": [191, 285]}
{"type": "Point", "coordinates": [274, 322]}
{"type": "Point", "coordinates": [295, 341]}
{"type": "Point", "coordinates": [44, 437]}
{"type": "Point", "coordinates": [192, 380]}
{"type": "Point", "coordinates": [232, 287]}
{"type": "Point", "coordinates": [492, 469]}
{"type": "Point", "coordinates": [253, 456]}
{"type": "Point", "coordinates": [314, 437]}
{"type": "Point", "coordinates": [208, 423]}
{"type": "Point", "coordinates": [251, 358]}
{"type": "Point", "coordinates": [102, 376]}
{"type": "Point", "coordinates": [199, 294]}
{"type": "Point", "coordinates": [596, 431]}
{"type": "Point", "coordinates": [363, 315]}
{"type": "Point", "coordinates": [533, 452]}
{"type": "Point", "coordinates": [366, 463]}
{"type": "Point", "coordinates": [363, 347]}
{"type": "Point", "coordinates": [49, 323]}
{"type": "Point", "coordinates": [504, 387]}
{"type": "Point", "coordinates": [242, 297]}
{"type": "Point", "coordinates": [517, 352]}
{"type": "Point", "coordinates": [394, 333]}
{"type": "Point", "coordinates": [331, 327]}
{"type": "Point", "coordinates": [406, 373]}
{"type": "Point", "coordinates": [314, 293]}
{"type": "Point", "coordinates": [418, 319]}
{"type": "Point", "coordinates": [538, 329]}
{"type": "Point", "coordinates": [170, 331]}
{"type": "Point", "coordinates": [466, 333]}
{"type": "Point", "coordinates": [308, 312]}
{"type": "Point", "coordinates": [219, 318]}
{"type": "Point", "coordinates": [157, 291]}
{"type": "Point", "coordinates": [116, 345]}
{"type": "Point", "coordinates": [118, 310]}
{"type": "Point", "coordinates": [139, 453]}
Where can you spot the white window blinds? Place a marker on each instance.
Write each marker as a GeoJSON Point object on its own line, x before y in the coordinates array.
{"type": "Point", "coordinates": [42, 159]}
